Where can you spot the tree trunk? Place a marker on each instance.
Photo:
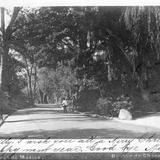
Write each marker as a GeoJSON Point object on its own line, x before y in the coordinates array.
{"type": "Point", "coordinates": [45, 99]}
{"type": "Point", "coordinates": [5, 59]}
{"type": "Point", "coordinates": [0, 69]}
{"type": "Point", "coordinates": [6, 68]}
{"type": "Point", "coordinates": [35, 82]}
{"type": "Point", "coordinates": [1, 42]}
{"type": "Point", "coordinates": [41, 95]}
{"type": "Point", "coordinates": [30, 88]}
{"type": "Point", "coordinates": [6, 65]}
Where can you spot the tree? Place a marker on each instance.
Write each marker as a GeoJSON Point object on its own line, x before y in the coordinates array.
{"type": "Point", "coordinates": [143, 25]}
{"type": "Point", "coordinates": [57, 32]}
{"type": "Point", "coordinates": [56, 83]}
{"type": "Point", "coordinates": [6, 75]}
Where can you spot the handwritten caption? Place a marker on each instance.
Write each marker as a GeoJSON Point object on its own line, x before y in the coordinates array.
{"type": "Point", "coordinates": [79, 145]}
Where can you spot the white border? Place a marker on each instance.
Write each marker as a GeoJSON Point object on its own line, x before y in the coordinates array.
{"type": "Point", "coordinates": [37, 3]}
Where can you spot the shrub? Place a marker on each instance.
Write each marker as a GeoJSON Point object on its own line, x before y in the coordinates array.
{"type": "Point", "coordinates": [110, 106]}
{"type": "Point", "coordinates": [88, 99]}
{"type": "Point", "coordinates": [20, 101]}
{"type": "Point", "coordinates": [122, 102]}
{"type": "Point", "coordinates": [9, 104]}
{"type": "Point", "coordinates": [104, 106]}
{"type": "Point", "coordinates": [4, 102]}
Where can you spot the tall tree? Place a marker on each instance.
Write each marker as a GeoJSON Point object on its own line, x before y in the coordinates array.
{"type": "Point", "coordinates": [6, 75]}
{"type": "Point", "coordinates": [143, 24]}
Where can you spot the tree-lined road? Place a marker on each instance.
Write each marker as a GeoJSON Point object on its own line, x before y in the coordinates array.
{"type": "Point", "coordinates": [45, 121]}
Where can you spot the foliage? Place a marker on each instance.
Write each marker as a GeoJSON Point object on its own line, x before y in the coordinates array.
{"type": "Point", "coordinates": [104, 106]}
{"type": "Point", "coordinates": [67, 47]}
{"type": "Point", "coordinates": [122, 103]}
{"type": "Point", "coordinates": [87, 99]}
{"type": "Point", "coordinates": [3, 102]}
{"type": "Point", "coordinates": [111, 106]}
{"type": "Point", "coordinates": [19, 101]}
{"type": "Point", "coordinates": [9, 104]}
{"type": "Point", "coordinates": [56, 33]}
{"type": "Point", "coordinates": [143, 25]}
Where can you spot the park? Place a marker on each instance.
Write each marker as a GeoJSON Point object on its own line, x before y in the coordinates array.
{"type": "Point", "coordinates": [104, 62]}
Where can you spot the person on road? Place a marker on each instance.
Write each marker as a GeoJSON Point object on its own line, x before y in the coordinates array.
{"type": "Point", "coordinates": [64, 105]}
{"type": "Point", "coordinates": [74, 101]}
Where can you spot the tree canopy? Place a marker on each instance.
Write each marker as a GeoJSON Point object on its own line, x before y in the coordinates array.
{"type": "Point", "coordinates": [62, 47]}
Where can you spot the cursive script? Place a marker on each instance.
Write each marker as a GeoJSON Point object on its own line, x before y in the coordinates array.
{"type": "Point", "coordinates": [143, 143]}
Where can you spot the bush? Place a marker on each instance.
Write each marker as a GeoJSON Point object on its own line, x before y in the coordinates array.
{"type": "Point", "coordinates": [122, 102]}
{"type": "Point", "coordinates": [104, 106]}
{"type": "Point", "coordinates": [4, 102]}
{"type": "Point", "coordinates": [9, 104]}
{"type": "Point", "coordinates": [20, 101]}
{"type": "Point", "coordinates": [111, 107]}
{"type": "Point", "coordinates": [88, 99]}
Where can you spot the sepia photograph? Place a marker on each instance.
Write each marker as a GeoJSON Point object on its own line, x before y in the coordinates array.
{"type": "Point", "coordinates": [80, 72]}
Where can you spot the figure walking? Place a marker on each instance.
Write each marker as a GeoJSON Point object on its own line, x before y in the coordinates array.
{"type": "Point", "coordinates": [64, 105]}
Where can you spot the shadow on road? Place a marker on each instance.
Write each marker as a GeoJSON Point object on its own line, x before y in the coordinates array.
{"type": "Point", "coordinates": [76, 134]}
{"type": "Point", "coordinates": [75, 118]}
{"type": "Point", "coordinates": [141, 114]}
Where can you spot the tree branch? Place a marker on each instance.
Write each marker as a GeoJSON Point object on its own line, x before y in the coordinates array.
{"type": "Point", "coordinates": [13, 18]}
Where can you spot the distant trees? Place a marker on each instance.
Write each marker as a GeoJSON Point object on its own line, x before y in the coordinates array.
{"type": "Point", "coordinates": [56, 83]}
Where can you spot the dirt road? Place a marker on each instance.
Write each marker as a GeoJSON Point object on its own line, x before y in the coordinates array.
{"type": "Point", "coordinates": [45, 121]}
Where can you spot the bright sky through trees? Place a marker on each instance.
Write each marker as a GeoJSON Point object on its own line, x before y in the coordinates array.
{"type": "Point", "coordinates": [8, 12]}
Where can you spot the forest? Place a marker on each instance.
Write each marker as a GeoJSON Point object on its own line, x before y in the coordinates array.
{"type": "Point", "coordinates": [108, 58]}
